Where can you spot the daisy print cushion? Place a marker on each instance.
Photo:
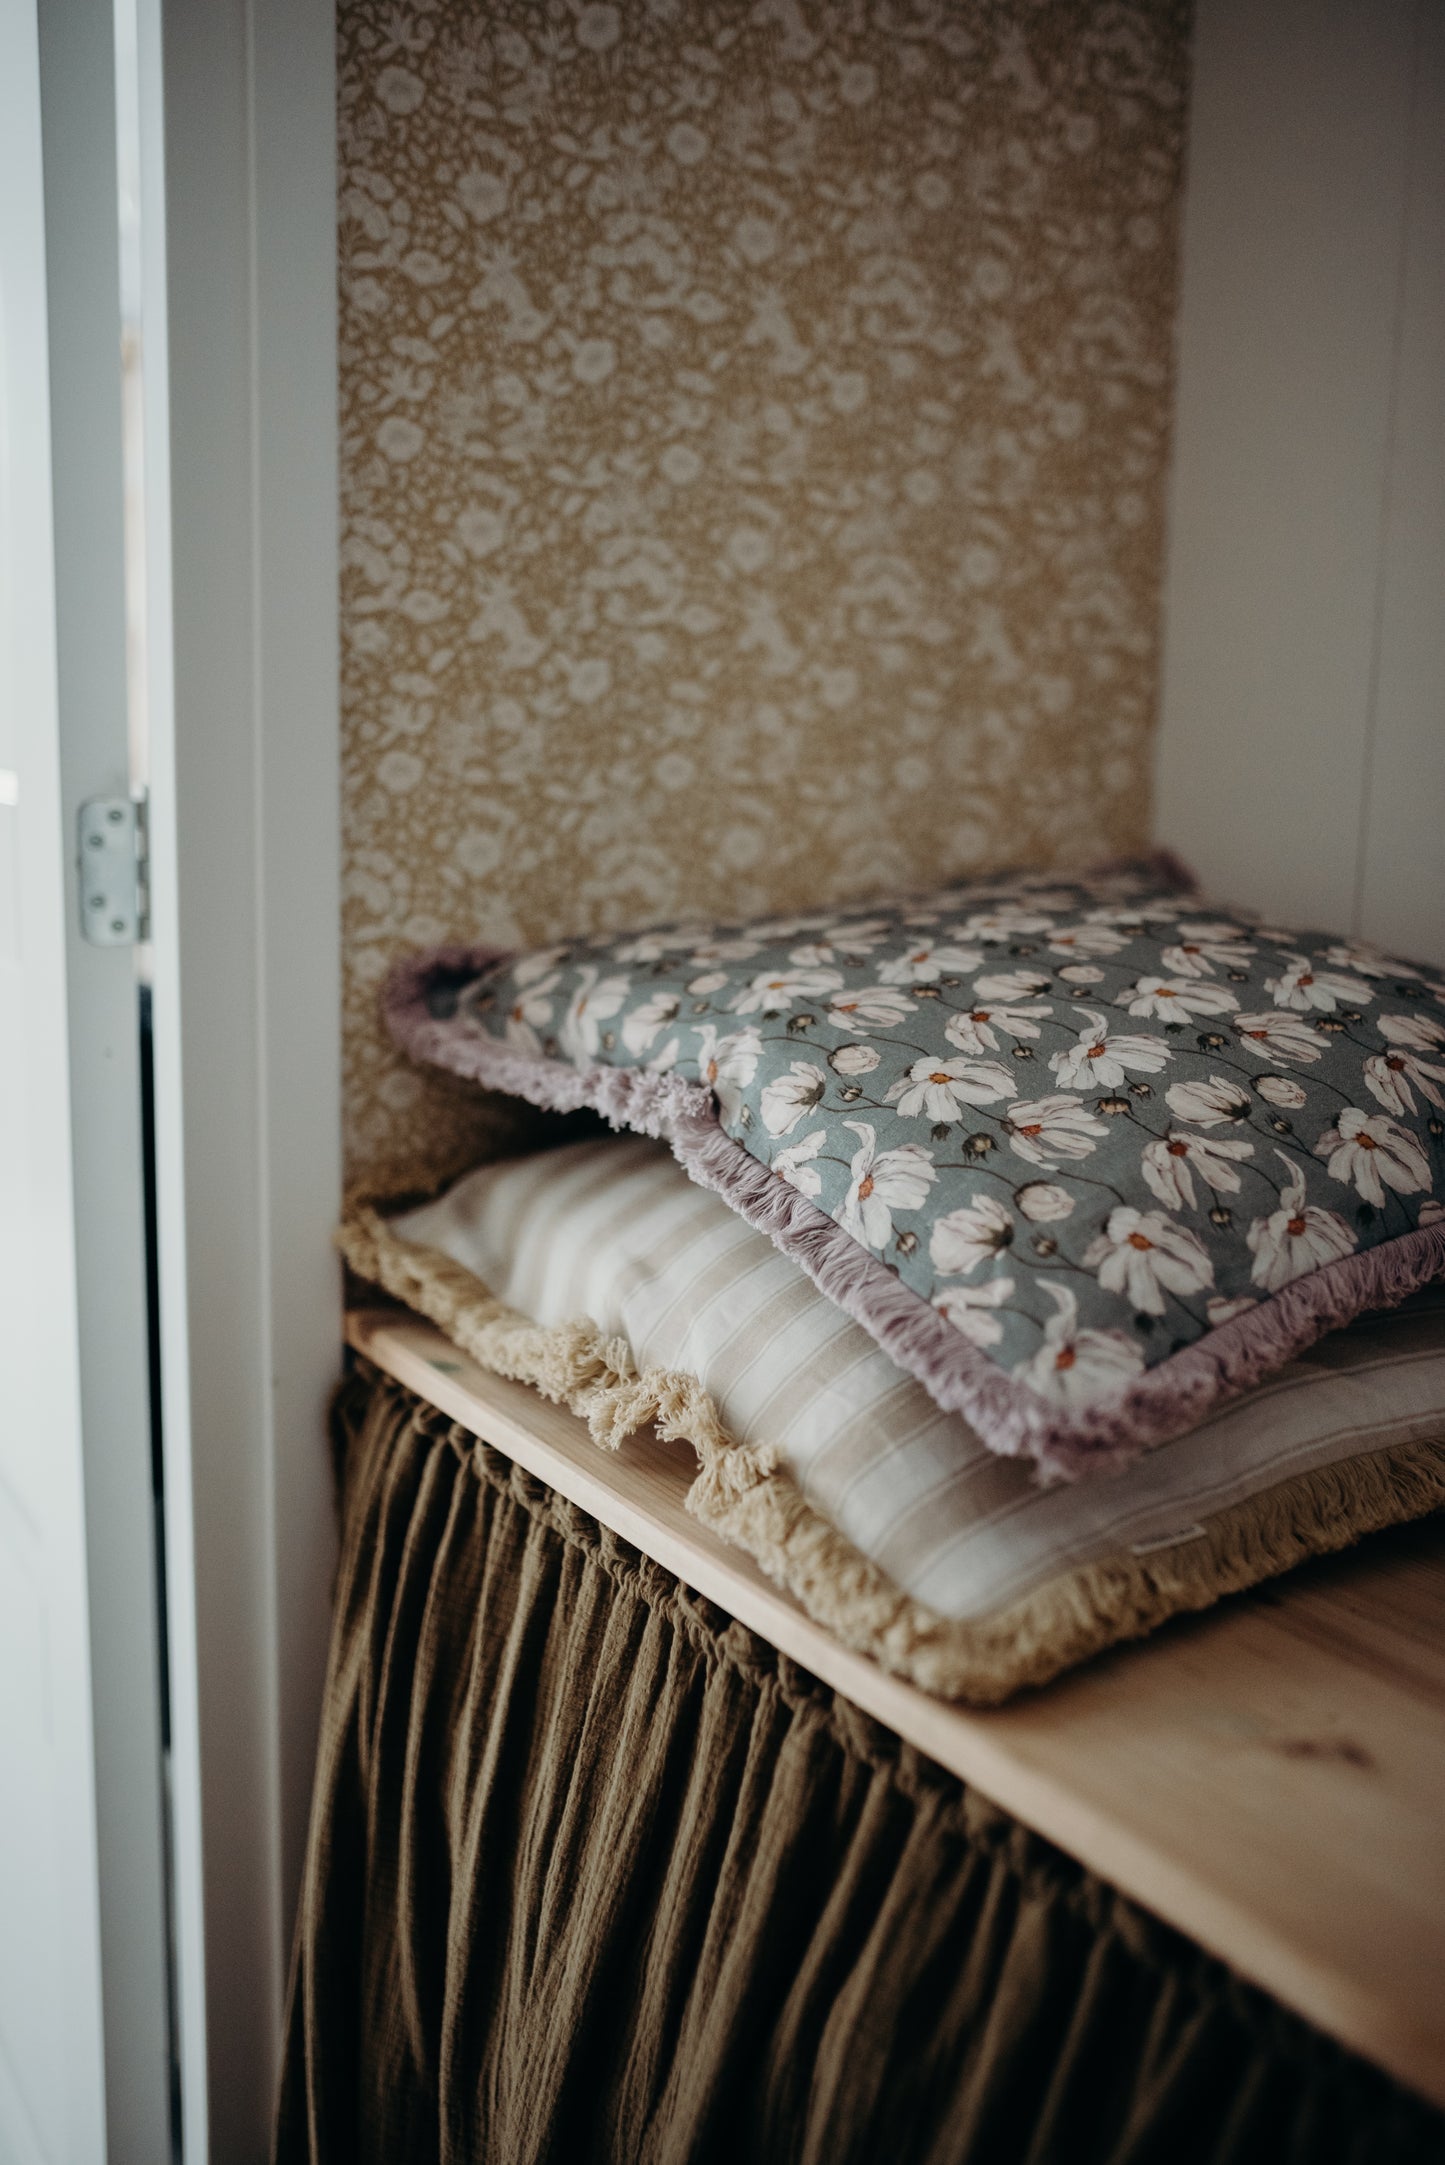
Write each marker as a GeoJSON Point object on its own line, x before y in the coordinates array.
{"type": "Point", "coordinates": [1085, 1155]}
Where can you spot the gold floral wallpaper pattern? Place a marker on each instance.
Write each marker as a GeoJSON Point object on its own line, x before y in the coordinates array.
{"type": "Point", "coordinates": [754, 421]}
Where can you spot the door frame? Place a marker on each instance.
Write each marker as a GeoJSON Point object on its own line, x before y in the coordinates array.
{"type": "Point", "coordinates": [81, 1390]}
{"type": "Point", "coordinates": [238, 329]}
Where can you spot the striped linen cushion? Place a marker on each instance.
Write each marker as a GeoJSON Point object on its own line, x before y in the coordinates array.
{"type": "Point", "coordinates": [614, 1230]}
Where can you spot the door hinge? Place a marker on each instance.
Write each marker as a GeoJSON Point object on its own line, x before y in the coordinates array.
{"type": "Point", "coordinates": [113, 858]}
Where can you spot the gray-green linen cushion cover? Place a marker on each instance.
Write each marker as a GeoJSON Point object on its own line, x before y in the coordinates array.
{"type": "Point", "coordinates": [1084, 1154]}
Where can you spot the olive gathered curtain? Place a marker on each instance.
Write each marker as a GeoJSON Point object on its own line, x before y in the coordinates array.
{"type": "Point", "coordinates": [595, 1877]}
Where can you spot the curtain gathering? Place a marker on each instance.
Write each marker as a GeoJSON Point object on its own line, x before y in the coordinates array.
{"type": "Point", "coordinates": [596, 1876]}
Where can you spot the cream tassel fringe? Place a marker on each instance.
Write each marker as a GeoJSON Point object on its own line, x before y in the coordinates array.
{"type": "Point", "coordinates": [745, 1493]}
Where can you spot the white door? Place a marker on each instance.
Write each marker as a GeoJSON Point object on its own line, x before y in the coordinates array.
{"type": "Point", "coordinates": [84, 2058]}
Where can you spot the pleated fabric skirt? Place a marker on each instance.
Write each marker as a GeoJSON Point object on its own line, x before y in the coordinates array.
{"type": "Point", "coordinates": [595, 1877]}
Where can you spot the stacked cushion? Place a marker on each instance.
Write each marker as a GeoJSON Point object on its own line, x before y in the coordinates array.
{"type": "Point", "coordinates": [1084, 1156]}
{"type": "Point", "coordinates": [890, 1518]}
{"type": "Point", "coordinates": [991, 1190]}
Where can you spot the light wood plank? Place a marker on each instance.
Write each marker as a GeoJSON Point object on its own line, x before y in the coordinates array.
{"type": "Point", "coordinates": [1269, 1778]}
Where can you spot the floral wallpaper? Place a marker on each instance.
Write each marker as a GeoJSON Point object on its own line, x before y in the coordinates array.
{"type": "Point", "coordinates": [754, 420]}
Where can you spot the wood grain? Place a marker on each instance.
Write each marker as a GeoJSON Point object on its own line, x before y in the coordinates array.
{"type": "Point", "coordinates": [1269, 1778]}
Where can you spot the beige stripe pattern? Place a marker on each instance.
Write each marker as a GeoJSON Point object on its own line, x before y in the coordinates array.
{"type": "Point", "coordinates": [614, 1231]}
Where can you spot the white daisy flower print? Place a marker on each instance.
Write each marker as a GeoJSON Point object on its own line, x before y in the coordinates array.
{"type": "Point", "coordinates": [1123, 914]}
{"type": "Point", "coordinates": [859, 939]}
{"type": "Point", "coordinates": [1046, 1130]}
{"type": "Point", "coordinates": [876, 1007]}
{"type": "Point", "coordinates": [1201, 949]}
{"type": "Point", "coordinates": [666, 1058]}
{"type": "Point", "coordinates": [1143, 1255]}
{"type": "Point", "coordinates": [1370, 1153]}
{"type": "Point", "coordinates": [853, 1059]}
{"type": "Point", "coordinates": [995, 928]}
{"type": "Point", "coordinates": [968, 1237]}
{"type": "Point", "coordinates": [926, 963]}
{"type": "Point", "coordinates": [1417, 1033]}
{"type": "Point", "coordinates": [1310, 990]}
{"type": "Point", "coordinates": [1080, 973]}
{"type": "Point", "coordinates": [882, 1181]}
{"type": "Point", "coordinates": [1210, 1104]}
{"type": "Point", "coordinates": [1101, 1062]}
{"type": "Point", "coordinates": [1278, 1090]}
{"type": "Point", "coordinates": [794, 1164]}
{"type": "Point", "coordinates": [1010, 988]}
{"type": "Point", "coordinates": [980, 1028]}
{"type": "Point", "coordinates": [1222, 934]}
{"type": "Point", "coordinates": [1394, 1077]}
{"type": "Point", "coordinates": [1169, 1165]}
{"type": "Point", "coordinates": [595, 1001]}
{"type": "Point", "coordinates": [647, 947]}
{"type": "Point", "coordinates": [939, 1089]}
{"type": "Point", "coordinates": [531, 967]}
{"type": "Point", "coordinates": [1177, 1000]}
{"type": "Point", "coordinates": [1080, 941]}
{"type": "Point", "coordinates": [1043, 1203]}
{"type": "Point", "coordinates": [728, 1064]}
{"type": "Point", "coordinates": [1279, 1037]}
{"type": "Point", "coordinates": [531, 1012]}
{"type": "Point", "coordinates": [788, 1097]}
{"type": "Point", "coordinates": [652, 946]}
{"type": "Point", "coordinates": [644, 1024]}
{"type": "Point", "coordinates": [774, 992]}
{"type": "Point", "coordinates": [968, 1307]}
{"type": "Point", "coordinates": [1356, 955]}
{"type": "Point", "coordinates": [1295, 1239]}
{"type": "Point", "coordinates": [1079, 1368]}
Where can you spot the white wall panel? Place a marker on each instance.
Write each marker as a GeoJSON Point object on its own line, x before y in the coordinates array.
{"type": "Point", "coordinates": [239, 181]}
{"type": "Point", "coordinates": [1302, 629]}
{"type": "Point", "coordinates": [1402, 872]}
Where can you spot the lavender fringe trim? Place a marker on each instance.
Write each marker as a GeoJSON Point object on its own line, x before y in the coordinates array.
{"type": "Point", "coordinates": [1011, 1419]}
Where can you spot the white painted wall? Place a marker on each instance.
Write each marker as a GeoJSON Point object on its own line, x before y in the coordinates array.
{"type": "Point", "coordinates": [238, 247]}
{"type": "Point", "coordinates": [1302, 737]}
{"type": "Point", "coordinates": [1402, 869]}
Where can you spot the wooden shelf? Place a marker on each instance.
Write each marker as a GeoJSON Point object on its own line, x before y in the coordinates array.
{"type": "Point", "coordinates": [1269, 1778]}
